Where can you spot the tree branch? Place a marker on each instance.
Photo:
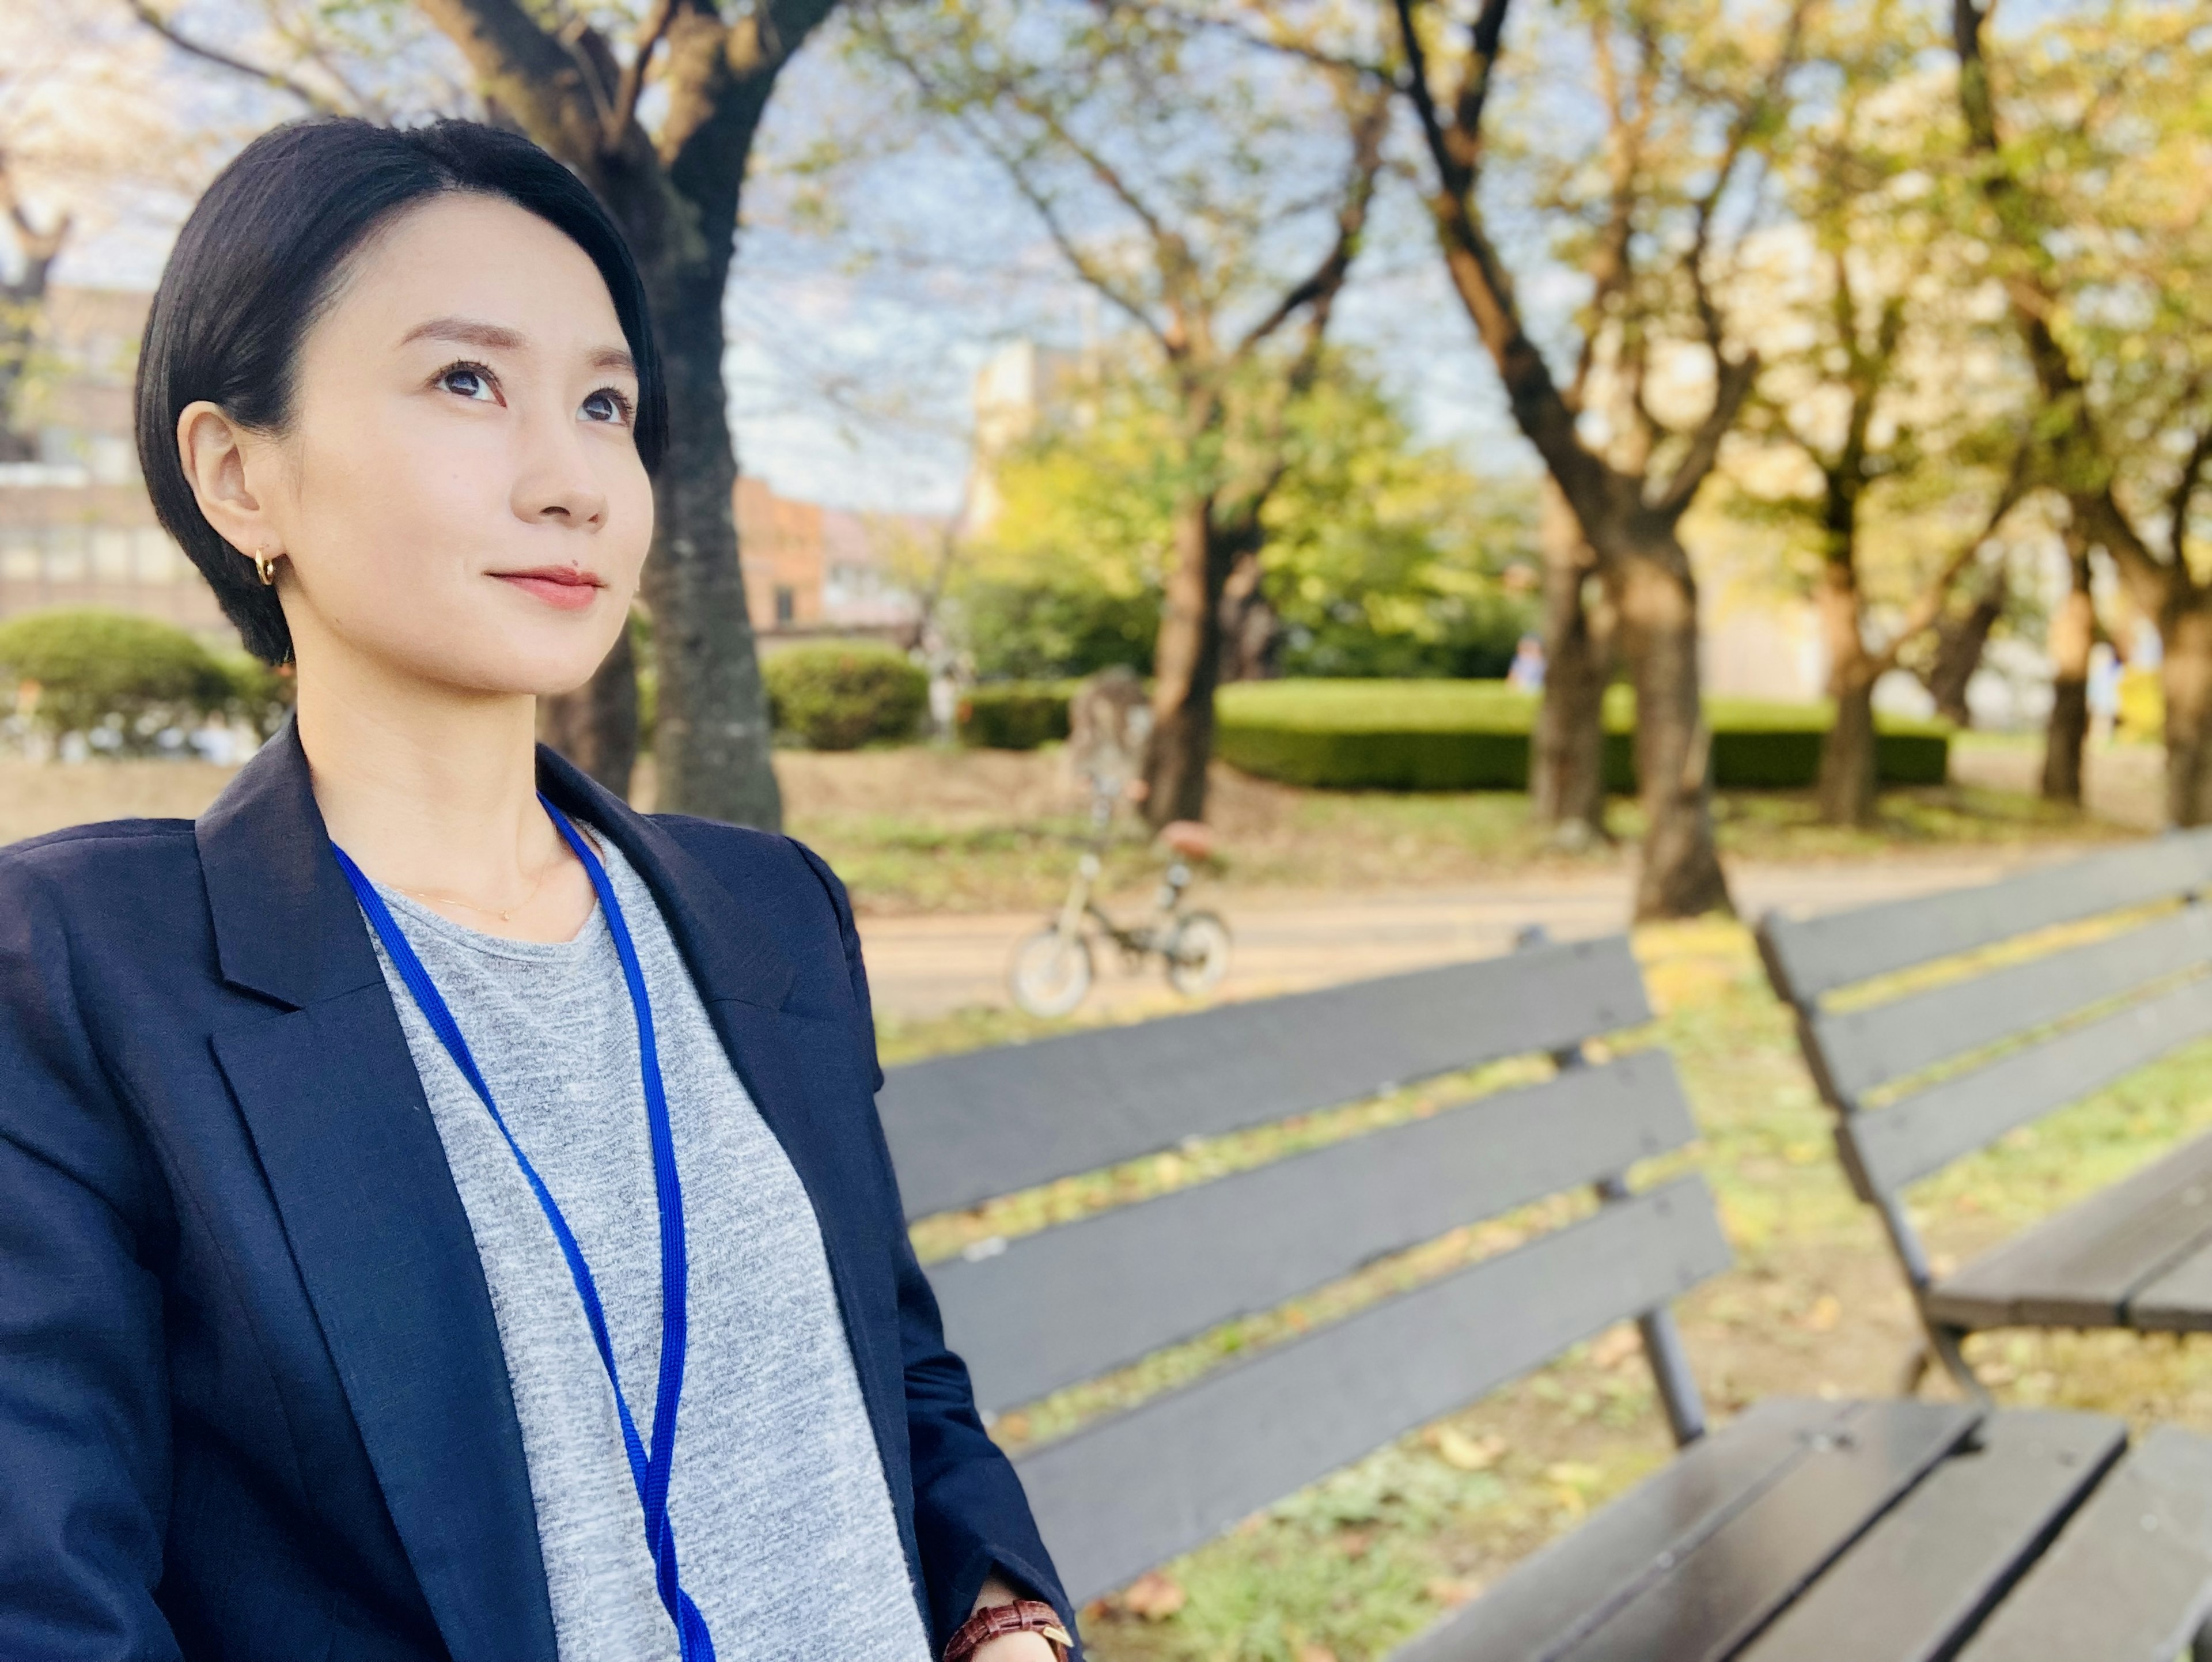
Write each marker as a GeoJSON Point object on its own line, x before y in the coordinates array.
{"type": "Point", "coordinates": [1371, 123]}
{"type": "Point", "coordinates": [1732, 384]}
{"type": "Point", "coordinates": [144, 11]}
{"type": "Point", "coordinates": [1471, 260]}
{"type": "Point", "coordinates": [531, 74]}
{"type": "Point", "coordinates": [2184, 494]}
{"type": "Point", "coordinates": [634, 76]}
{"type": "Point", "coordinates": [1016, 169]}
{"type": "Point", "coordinates": [1928, 607]}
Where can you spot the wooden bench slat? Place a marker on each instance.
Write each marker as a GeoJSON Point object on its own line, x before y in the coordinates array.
{"type": "Point", "coordinates": [1067, 1304]}
{"type": "Point", "coordinates": [1707, 1606]}
{"type": "Point", "coordinates": [1862, 1049]}
{"type": "Point", "coordinates": [1115, 1498]}
{"type": "Point", "coordinates": [1677, 1571]}
{"type": "Point", "coordinates": [2130, 1578]}
{"type": "Point", "coordinates": [2083, 1267]}
{"type": "Point", "coordinates": [1934, 1565]}
{"type": "Point", "coordinates": [2178, 1300]}
{"type": "Point", "coordinates": [1574, 1582]}
{"type": "Point", "coordinates": [964, 1128]}
{"type": "Point", "coordinates": [1926, 1131]}
{"type": "Point", "coordinates": [1817, 955]}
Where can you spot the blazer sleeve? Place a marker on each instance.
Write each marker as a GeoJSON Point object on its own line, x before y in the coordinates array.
{"type": "Point", "coordinates": [970, 1515]}
{"type": "Point", "coordinates": [84, 1439]}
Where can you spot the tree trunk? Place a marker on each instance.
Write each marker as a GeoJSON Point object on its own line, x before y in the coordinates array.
{"type": "Point", "coordinates": [1251, 628]}
{"type": "Point", "coordinates": [711, 730]}
{"type": "Point", "coordinates": [1566, 751]}
{"type": "Point", "coordinates": [595, 727]}
{"type": "Point", "coordinates": [2072, 633]}
{"type": "Point", "coordinates": [1959, 643]}
{"type": "Point", "coordinates": [1187, 667]}
{"type": "Point", "coordinates": [2187, 679]}
{"type": "Point", "coordinates": [1681, 875]}
{"type": "Point", "coordinates": [1848, 779]}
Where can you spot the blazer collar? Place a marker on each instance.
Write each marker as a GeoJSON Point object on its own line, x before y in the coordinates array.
{"type": "Point", "coordinates": [287, 926]}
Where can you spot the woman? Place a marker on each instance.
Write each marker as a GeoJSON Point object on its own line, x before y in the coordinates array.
{"type": "Point", "coordinates": [442, 1212]}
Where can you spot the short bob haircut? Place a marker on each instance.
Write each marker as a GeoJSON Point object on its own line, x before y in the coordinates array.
{"type": "Point", "coordinates": [263, 251]}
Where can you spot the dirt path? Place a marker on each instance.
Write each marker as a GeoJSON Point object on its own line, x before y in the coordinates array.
{"type": "Point", "coordinates": [926, 967]}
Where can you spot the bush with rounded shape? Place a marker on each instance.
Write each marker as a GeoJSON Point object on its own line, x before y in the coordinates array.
{"type": "Point", "coordinates": [839, 696]}
{"type": "Point", "coordinates": [120, 681]}
{"type": "Point", "coordinates": [260, 695]}
{"type": "Point", "coordinates": [1014, 714]}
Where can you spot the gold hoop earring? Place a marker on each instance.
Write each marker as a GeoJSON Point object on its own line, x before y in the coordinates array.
{"type": "Point", "coordinates": [265, 563]}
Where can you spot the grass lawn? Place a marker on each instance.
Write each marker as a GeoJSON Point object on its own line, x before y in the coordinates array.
{"type": "Point", "coordinates": [1351, 1566]}
{"type": "Point", "coordinates": [916, 831]}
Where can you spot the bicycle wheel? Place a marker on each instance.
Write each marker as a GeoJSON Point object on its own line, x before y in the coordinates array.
{"type": "Point", "coordinates": [1198, 953]}
{"type": "Point", "coordinates": [1051, 972]}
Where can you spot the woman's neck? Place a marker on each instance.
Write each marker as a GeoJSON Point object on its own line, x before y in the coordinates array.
{"type": "Point", "coordinates": [433, 791]}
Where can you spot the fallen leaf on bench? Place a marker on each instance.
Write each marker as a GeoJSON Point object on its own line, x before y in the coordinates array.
{"type": "Point", "coordinates": [1465, 1453]}
{"type": "Point", "coordinates": [1154, 1597]}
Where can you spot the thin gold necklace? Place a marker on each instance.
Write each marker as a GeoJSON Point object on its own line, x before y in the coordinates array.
{"type": "Point", "coordinates": [507, 916]}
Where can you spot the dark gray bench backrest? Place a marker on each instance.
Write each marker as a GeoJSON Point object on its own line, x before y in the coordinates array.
{"type": "Point", "coordinates": [2129, 989]}
{"type": "Point", "coordinates": [1069, 1304]}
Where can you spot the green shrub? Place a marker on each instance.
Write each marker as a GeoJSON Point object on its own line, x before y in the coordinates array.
{"type": "Point", "coordinates": [1014, 714]}
{"type": "Point", "coordinates": [1061, 624]}
{"type": "Point", "coordinates": [260, 696]}
{"type": "Point", "coordinates": [120, 681]}
{"type": "Point", "coordinates": [1473, 735]}
{"type": "Point", "coordinates": [844, 695]}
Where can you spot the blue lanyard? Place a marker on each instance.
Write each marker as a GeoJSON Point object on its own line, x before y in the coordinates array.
{"type": "Point", "coordinates": [649, 1470]}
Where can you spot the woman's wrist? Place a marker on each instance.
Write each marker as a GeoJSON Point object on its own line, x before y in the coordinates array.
{"type": "Point", "coordinates": [1023, 1647]}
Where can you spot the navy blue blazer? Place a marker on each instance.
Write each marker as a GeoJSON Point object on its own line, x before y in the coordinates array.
{"type": "Point", "coordinates": [253, 1403]}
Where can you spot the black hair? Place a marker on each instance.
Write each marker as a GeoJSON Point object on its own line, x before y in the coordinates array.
{"type": "Point", "coordinates": [260, 255]}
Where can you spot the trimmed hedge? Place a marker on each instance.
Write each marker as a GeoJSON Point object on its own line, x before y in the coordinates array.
{"type": "Point", "coordinates": [125, 683]}
{"type": "Point", "coordinates": [1473, 735]}
{"type": "Point", "coordinates": [839, 696]}
{"type": "Point", "coordinates": [1014, 714]}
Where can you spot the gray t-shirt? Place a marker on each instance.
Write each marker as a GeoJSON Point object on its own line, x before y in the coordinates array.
{"type": "Point", "coordinates": [784, 1530]}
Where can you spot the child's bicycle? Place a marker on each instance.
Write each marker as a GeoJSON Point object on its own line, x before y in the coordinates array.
{"type": "Point", "coordinates": [1053, 969]}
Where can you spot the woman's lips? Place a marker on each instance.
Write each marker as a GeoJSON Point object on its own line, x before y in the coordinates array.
{"type": "Point", "coordinates": [565, 589]}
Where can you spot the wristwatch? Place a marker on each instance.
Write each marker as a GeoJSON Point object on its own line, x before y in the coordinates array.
{"type": "Point", "coordinates": [997, 1621]}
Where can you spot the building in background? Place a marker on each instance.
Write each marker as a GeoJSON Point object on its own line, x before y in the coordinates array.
{"type": "Point", "coordinates": [812, 572]}
{"type": "Point", "coordinates": [75, 528]}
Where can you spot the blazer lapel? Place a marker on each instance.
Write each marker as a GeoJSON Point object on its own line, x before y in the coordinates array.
{"type": "Point", "coordinates": [330, 1097]}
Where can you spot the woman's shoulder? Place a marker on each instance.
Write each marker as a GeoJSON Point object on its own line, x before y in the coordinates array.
{"type": "Point", "coordinates": [740, 851]}
{"type": "Point", "coordinates": [102, 857]}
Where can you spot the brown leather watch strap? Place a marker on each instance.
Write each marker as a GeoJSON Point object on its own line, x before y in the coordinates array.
{"type": "Point", "coordinates": [997, 1621]}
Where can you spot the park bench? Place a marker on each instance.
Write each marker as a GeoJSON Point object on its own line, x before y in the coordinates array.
{"type": "Point", "coordinates": [1882, 1531]}
{"type": "Point", "coordinates": [2066, 979]}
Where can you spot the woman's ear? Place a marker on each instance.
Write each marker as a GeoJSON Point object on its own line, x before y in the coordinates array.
{"type": "Point", "coordinates": [220, 459]}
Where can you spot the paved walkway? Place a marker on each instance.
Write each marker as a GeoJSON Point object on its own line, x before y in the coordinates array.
{"type": "Point", "coordinates": [929, 965]}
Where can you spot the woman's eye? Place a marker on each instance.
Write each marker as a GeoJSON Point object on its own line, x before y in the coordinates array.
{"type": "Point", "coordinates": [606, 405]}
{"type": "Point", "coordinates": [468, 381]}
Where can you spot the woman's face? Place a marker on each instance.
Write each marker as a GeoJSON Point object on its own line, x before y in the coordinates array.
{"type": "Point", "coordinates": [459, 496]}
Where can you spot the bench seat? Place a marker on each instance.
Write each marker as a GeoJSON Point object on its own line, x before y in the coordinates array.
{"type": "Point", "coordinates": [1872, 1531]}
{"type": "Point", "coordinates": [2126, 1253]}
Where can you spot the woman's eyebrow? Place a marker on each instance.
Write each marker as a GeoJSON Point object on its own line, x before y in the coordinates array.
{"type": "Point", "coordinates": [496, 337]}
{"type": "Point", "coordinates": [468, 333]}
